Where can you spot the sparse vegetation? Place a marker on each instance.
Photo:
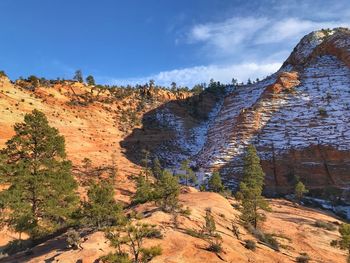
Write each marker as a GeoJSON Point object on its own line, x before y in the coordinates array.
{"type": "Point", "coordinates": [299, 191]}
{"type": "Point", "coordinates": [250, 244]}
{"type": "Point", "coordinates": [133, 236]}
{"type": "Point", "coordinates": [73, 239]}
{"type": "Point", "coordinates": [322, 112]}
{"type": "Point", "coordinates": [344, 241]}
{"type": "Point", "coordinates": [303, 258]}
{"type": "Point", "coordinates": [325, 225]}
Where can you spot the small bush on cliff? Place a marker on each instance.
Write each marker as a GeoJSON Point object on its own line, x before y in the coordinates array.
{"type": "Point", "coordinates": [250, 189]}
{"type": "Point", "coordinates": [250, 244]}
{"type": "Point", "coordinates": [322, 112]}
{"type": "Point", "coordinates": [133, 236]}
{"type": "Point", "coordinates": [303, 258]}
{"type": "Point", "coordinates": [299, 191]}
{"type": "Point", "coordinates": [73, 239]}
{"type": "Point", "coordinates": [2, 74]}
{"type": "Point", "coordinates": [325, 225]}
{"type": "Point", "coordinates": [344, 241]}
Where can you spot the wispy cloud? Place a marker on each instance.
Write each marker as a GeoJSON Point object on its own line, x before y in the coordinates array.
{"type": "Point", "coordinates": [246, 46]}
{"type": "Point", "coordinates": [229, 37]}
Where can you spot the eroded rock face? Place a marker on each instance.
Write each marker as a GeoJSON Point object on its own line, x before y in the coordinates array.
{"type": "Point", "coordinates": [298, 119]}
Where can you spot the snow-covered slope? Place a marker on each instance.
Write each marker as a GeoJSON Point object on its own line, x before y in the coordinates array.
{"type": "Point", "coordinates": [302, 110]}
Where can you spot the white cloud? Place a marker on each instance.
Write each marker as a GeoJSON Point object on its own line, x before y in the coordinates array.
{"type": "Point", "coordinates": [292, 28]}
{"type": "Point", "coordinates": [230, 37]}
{"type": "Point", "coordinates": [194, 75]}
{"type": "Point", "coordinates": [227, 35]}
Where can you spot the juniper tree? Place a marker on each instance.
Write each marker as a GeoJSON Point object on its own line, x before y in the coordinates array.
{"type": "Point", "coordinates": [101, 209]}
{"type": "Point", "coordinates": [189, 176]}
{"type": "Point", "coordinates": [215, 183]}
{"type": "Point", "coordinates": [251, 187]}
{"type": "Point", "coordinates": [41, 197]}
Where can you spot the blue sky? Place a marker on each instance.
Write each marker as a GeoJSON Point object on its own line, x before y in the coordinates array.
{"type": "Point", "coordinates": [186, 41]}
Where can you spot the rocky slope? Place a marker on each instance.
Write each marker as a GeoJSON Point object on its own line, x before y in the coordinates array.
{"type": "Point", "coordinates": [293, 226]}
{"type": "Point", "coordinates": [298, 118]}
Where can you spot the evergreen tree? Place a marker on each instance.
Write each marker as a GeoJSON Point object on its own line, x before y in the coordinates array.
{"type": "Point", "coordinates": [251, 188]}
{"type": "Point", "coordinates": [344, 241]}
{"type": "Point", "coordinates": [157, 169]}
{"type": "Point", "coordinates": [215, 183]}
{"type": "Point", "coordinates": [299, 191]}
{"type": "Point", "coordinates": [101, 209]}
{"type": "Point", "coordinates": [90, 80]}
{"type": "Point", "coordinates": [41, 196]}
{"type": "Point", "coordinates": [133, 236]}
{"type": "Point", "coordinates": [189, 176]}
{"type": "Point", "coordinates": [78, 76]}
{"type": "Point", "coordinates": [210, 226]}
{"type": "Point", "coordinates": [144, 191]}
{"type": "Point", "coordinates": [167, 192]}
{"type": "Point", "coordinates": [173, 85]}
{"type": "Point", "coordinates": [145, 161]}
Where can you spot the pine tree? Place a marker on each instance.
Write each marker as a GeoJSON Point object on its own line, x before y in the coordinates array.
{"type": "Point", "coordinates": [344, 241]}
{"type": "Point", "coordinates": [167, 192]}
{"type": "Point", "coordinates": [133, 236]}
{"type": "Point", "coordinates": [145, 161]}
{"type": "Point", "coordinates": [41, 196]}
{"type": "Point", "coordinates": [210, 226]}
{"type": "Point", "coordinates": [215, 183]}
{"type": "Point", "coordinates": [144, 191]}
{"type": "Point", "coordinates": [251, 188]}
{"type": "Point", "coordinates": [78, 76]}
{"type": "Point", "coordinates": [189, 176]}
{"type": "Point", "coordinates": [157, 169]}
{"type": "Point", "coordinates": [300, 190]}
{"type": "Point", "coordinates": [90, 80]}
{"type": "Point", "coordinates": [101, 209]}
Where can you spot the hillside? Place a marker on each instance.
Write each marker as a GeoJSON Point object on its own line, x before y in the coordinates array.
{"type": "Point", "coordinates": [293, 226]}
{"type": "Point", "coordinates": [298, 119]}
